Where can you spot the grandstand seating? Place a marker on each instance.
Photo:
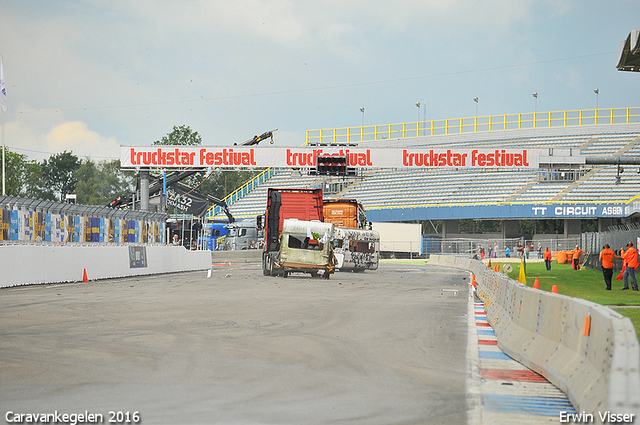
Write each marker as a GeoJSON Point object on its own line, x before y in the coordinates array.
{"type": "Point", "coordinates": [388, 188]}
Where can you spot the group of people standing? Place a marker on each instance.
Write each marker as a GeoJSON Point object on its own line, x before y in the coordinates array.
{"type": "Point", "coordinates": [629, 259]}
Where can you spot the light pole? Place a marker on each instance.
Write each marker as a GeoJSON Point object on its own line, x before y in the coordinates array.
{"type": "Point", "coordinates": [362, 110]}
{"type": "Point", "coordinates": [418, 106]}
{"type": "Point", "coordinates": [475, 124]}
{"type": "Point", "coordinates": [535, 107]}
{"type": "Point", "coordinates": [597, 92]}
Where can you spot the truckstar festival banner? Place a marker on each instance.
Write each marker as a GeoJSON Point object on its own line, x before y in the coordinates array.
{"type": "Point", "coordinates": [214, 156]}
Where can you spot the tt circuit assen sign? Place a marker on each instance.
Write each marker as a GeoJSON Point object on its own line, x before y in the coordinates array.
{"type": "Point", "coordinates": [212, 156]}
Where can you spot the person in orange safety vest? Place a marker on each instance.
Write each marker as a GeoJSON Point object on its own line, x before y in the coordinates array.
{"type": "Point", "coordinates": [631, 262]}
{"type": "Point", "coordinates": [547, 257]}
{"type": "Point", "coordinates": [606, 260]}
{"type": "Point", "coordinates": [576, 258]}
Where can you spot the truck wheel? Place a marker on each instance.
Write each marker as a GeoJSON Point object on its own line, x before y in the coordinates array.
{"type": "Point", "coordinates": [285, 274]}
{"type": "Point", "coordinates": [265, 269]}
{"type": "Point", "coordinates": [327, 275]}
{"type": "Point", "coordinates": [271, 267]}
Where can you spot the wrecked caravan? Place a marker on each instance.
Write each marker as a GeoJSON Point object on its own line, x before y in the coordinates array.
{"type": "Point", "coordinates": [356, 249]}
{"type": "Point", "coordinates": [306, 247]}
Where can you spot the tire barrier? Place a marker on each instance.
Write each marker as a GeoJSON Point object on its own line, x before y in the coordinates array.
{"type": "Point", "coordinates": [585, 349]}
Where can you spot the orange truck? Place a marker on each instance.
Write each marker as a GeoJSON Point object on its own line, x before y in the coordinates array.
{"type": "Point", "coordinates": [345, 213]}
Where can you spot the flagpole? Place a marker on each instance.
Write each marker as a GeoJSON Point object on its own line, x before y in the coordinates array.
{"type": "Point", "coordinates": [4, 192]}
{"type": "Point", "coordinates": [4, 106]}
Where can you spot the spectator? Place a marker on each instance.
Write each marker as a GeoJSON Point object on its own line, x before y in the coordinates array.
{"type": "Point", "coordinates": [540, 250]}
{"type": "Point", "coordinates": [507, 252]}
{"type": "Point", "coordinates": [252, 245]}
{"type": "Point", "coordinates": [176, 240]}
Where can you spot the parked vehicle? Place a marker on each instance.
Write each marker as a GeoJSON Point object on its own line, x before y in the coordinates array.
{"type": "Point", "coordinates": [243, 235]}
{"type": "Point", "coordinates": [356, 250]}
{"type": "Point", "coordinates": [306, 248]}
{"type": "Point", "coordinates": [213, 236]}
{"type": "Point", "coordinates": [282, 204]}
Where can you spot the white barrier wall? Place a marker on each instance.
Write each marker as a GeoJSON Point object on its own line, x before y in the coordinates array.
{"type": "Point", "coordinates": [597, 366]}
{"type": "Point", "coordinates": [29, 264]}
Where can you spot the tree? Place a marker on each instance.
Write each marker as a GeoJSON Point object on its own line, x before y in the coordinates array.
{"type": "Point", "coordinates": [182, 135]}
{"type": "Point", "coordinates": [59, 172]}
{"type": "Point", "coordinates": [15, 168]}
{"type": "Point", "coordinates": [98, 184]}
{"type": "Point", "coordinates": [222, 182]}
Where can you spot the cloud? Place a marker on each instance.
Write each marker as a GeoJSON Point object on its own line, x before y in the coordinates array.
{"type": "Point", "coordinates": [75, 136]}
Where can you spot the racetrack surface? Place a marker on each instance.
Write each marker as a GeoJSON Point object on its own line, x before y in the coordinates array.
{"type": "Point", "coordinates": [383, 347]}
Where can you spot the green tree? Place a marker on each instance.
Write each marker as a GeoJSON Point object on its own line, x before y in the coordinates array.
{"type": "Point", "coordinates": [15, 168]}
{"type": "Point", "coordinates": [182, 135]}
{"type": "Point", "coordinates": [222, 181]}
{"type": "Point", "coordinates": [100, 183]}
{"type": "Point", "coordinates": [35, 182]}
{"type": "Point", "coordinates": [59, 172]}
{"type": "Point", "coordinates": [226, 180]}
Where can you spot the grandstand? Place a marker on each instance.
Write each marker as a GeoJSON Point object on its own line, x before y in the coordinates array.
{"type": "Point", "coordinates": [451, 194]}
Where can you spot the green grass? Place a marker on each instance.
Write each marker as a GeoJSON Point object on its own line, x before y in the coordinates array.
{"type": "Point", "coordinates": [587, 284]}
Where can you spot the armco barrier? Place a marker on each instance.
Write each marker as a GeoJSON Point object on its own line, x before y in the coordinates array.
{"type": "Point", "coordinates": [587, 350]}
{"type": "Point", "coordinates": [32, 264]}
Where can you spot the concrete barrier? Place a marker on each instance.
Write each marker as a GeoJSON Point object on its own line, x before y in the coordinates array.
{"type": "Point", "coordinates": [32, 264]}
{"type": "Point", "coordinates": [597, 366]}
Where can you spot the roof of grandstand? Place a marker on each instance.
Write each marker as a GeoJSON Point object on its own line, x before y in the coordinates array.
{"type": "Point", "coordinates": [553, 191]}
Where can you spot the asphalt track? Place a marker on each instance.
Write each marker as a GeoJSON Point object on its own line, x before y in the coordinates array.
{"type": "Point", "coordinates": [383, 347]}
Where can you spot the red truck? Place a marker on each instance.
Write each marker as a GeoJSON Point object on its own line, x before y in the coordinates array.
{"type": "Point", "coordinates": [301, 204]}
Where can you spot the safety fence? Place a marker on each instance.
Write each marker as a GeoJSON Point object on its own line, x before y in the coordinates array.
{"type": "Point", "coordinates": [25, 220]}
{"type": "Point", "coordinates": [585, 349]}
{"type": "Point", "coordinates": [475, 124]}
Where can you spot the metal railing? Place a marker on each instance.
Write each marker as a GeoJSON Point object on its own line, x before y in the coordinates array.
{"type": "Point", "coordinates": [27, 221]}
{"type": "Point", "coordinates": [243, 190]}
{"type": "Point", "coordinates": [475, 124]}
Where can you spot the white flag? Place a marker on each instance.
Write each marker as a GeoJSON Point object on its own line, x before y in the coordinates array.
{"type": "Point", "coordinates": [3, 90]}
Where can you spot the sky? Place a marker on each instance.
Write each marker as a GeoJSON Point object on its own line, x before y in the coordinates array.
{"type": "Point", "coordinates": [89, 76]}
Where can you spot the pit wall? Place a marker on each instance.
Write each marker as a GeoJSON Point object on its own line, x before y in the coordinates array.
{"type": "Point", "coordinates": [599, 371]}
{"type": "Point", "coordinates": [34, 264]}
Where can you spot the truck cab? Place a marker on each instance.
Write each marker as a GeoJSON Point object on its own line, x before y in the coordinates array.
{"type": "Point", "coordinates": [242, 235]}
{"type": "Point", "coordinates": [282, 204]}
{"type": "Point", "coordinates": [306, 247]}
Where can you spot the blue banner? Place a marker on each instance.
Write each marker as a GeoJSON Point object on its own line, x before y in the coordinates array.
{"type": "Point", "coordinates": [500, 212]}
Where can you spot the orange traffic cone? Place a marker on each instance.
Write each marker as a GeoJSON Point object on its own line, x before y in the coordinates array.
{"type": "Point", "coordinates": [554, 289]}
{"type": "Point", "coordinates": [536, 284]}
{"type": "Point", "coordinates": [473, 281]}
{"type": "Point", "coordinates": [489, 265]}
{"type": "Point", "coordinates": [84, 276]}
